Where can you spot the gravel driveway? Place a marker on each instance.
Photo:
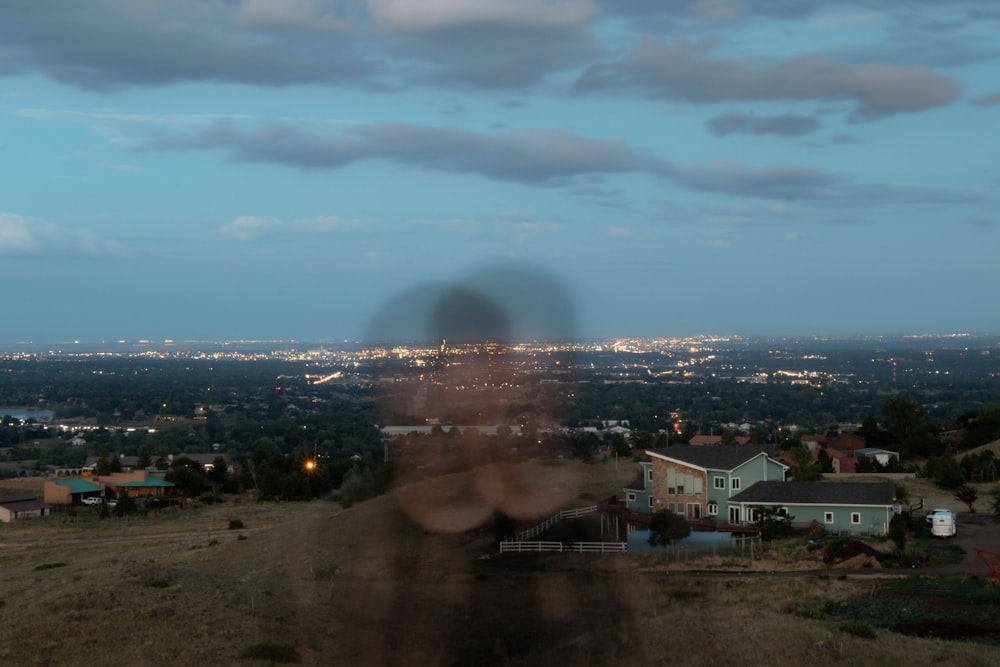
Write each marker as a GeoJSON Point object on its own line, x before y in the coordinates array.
{"type": "Point", "coordinates": [974, 532]}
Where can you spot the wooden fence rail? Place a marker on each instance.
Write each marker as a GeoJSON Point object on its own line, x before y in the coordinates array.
{"type": "Point", "coordinates": [553, 520]}
{"type": "Point", "coordinates": [519, 546]}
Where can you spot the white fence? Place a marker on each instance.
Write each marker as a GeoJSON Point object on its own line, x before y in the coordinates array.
{"type": "Point", "coordinates": [521, 542]}
{"type": "Point", "coordinates": [553, 520]}
{"type": "Point", "coordinates": [519, 546]}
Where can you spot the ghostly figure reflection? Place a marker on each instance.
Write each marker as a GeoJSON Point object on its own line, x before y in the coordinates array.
{"type": "Point", "coordinates": [416, 595]}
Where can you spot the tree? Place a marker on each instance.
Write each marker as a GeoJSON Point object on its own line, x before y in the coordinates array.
{"type": "Point", "coordinates": [145, 460]}
{"type": "Point", "coordinates": [773, 523]}
{"type": "Point", "coordinates": [946, 472]}
{"type": "Point", "coordinates": [188, 476]}
{"type": "Point", "coordinates": [898, 528]}
{"type": "Point", "coordinates": [904, 415]}
{"type": "Point", "coordinates": [666, 526]}
{"type": "Point", "coordinates": [968, 495]}
{"type": "Point", "coordinates": [803, 467]}
{"type": "Point", "coordinates": [126, 506]}
{"type": "Point", "coordinates": [103, 465]}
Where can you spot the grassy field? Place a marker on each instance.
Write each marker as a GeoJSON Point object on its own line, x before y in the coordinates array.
{"type": "Point", "coordinates": [312, 583]}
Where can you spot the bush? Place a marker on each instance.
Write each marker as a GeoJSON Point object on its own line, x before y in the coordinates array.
{"type": "Point", "coordinates": [858, 629]}
{"type": "Point", "coordinates": [665, 527]}
{"type": "Point", "coordinates": [235, 524]}
{"type": "Point", "coordinates": [276, 653]}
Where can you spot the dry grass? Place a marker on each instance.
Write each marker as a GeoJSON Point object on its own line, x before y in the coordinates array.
{"type": "Point", "coordinates": [367, 586]}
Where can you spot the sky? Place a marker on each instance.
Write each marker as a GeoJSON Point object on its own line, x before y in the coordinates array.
{"type": "Point", "coordinates": [295, 169]}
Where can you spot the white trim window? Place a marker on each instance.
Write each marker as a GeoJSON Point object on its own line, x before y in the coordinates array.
{"type": "Point", "coordinates": [719, 482]}
{"type": "Point", "coordinates": [649, 475]}
{"type": "Point", "coordinates": [827, 517]}
{"type": "Point", "coordinates": [630, 497]}
{"type": "Point", "coordinates": [734, 483]}
{"type": "Point", "coordinates": [713, 508]}
{"type": "Point", "coordinates": [856, 518]}
{"type": "Point", "coordinates": [651, 501]}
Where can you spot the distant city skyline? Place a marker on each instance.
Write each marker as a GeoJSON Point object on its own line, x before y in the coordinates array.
{"type": "Point", "coordinates": [320, 170]}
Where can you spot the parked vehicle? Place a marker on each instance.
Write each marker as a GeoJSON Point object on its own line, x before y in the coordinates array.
{"type": "Point", "coordinates": [942, 523]}
{"type": "Point", "coordinates": [92, 500]}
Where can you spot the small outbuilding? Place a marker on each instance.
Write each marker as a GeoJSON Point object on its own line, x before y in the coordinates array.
{"type": "Point", "coordinates": [22, 506]}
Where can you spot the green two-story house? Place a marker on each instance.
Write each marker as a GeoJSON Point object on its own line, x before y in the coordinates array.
{"type": "Point", "coordinates": [697, 481]}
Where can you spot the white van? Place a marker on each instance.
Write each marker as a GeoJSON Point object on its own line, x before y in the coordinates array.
{"type": "Point", "coordinates": [942, 523]}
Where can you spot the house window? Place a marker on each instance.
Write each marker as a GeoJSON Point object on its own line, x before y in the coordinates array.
{"type": "Point", "coordinates": [680, 489]}
{"type": "Point", "coordinates": [735, 483]}
{"type": "Point", "coordinates": [827, 517]}
{"type": "Point", "coordinates": [630, 497]}
{"type": "Point", "coordinates": [651, 501]}
{"type": "Point", "coordinates": [713, 508]}
{"type": "Point", "coordinates": [720, 482]}
{"type": "Point", "coordinates": [856, 518]}
{"type": "Point", "coordinates": [754, 514]}
{"type": "Point", "coordinates": [649, 475]}
{"type": "Point", "coordinates": [671, 490]}
{"type": "Point", "coordinates": [694, 511]}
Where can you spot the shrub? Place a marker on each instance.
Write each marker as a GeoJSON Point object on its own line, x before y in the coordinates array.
{"type": "Point", "coordinates": [276, 653]}
{"type": "Point", "coordinates": [858, 629]}
{"type": "Point", "coordinates": [157, 583]}
{"type": "Point", "coordinates": [49, 566]}
{"type": "Point", "coordinates": [235, 524]}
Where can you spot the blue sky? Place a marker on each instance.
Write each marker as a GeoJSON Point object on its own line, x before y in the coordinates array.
{"type": "Point", "coordinates": [292, 169]}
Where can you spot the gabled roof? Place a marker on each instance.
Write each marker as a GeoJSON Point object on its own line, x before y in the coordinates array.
{"type": "Point", "coordinates": [723, 457]}
{"type": "Point", "coordinates": [880, 494]}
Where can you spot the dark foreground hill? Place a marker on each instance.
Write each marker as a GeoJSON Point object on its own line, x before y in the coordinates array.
{"type": "Point", "coordinates": [311, 583]}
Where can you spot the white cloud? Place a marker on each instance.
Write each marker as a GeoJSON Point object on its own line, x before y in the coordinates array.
{"type": "Point", "coordinates": [20, 235]}
{"type": "Point", "coordinates": [249, 228]}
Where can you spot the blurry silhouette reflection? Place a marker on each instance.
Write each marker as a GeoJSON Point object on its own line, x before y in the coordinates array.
{"type": "Point", "coordinates": [415, 594]}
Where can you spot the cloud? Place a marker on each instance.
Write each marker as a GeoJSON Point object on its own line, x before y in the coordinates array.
{"type": "Point", "coordinates": [377, 45]}
{"type": "Point", "coordinates": [22, 236]}
{"type": "Point", "coordinates": [106, 44]}
{"type": "Point", "coordinates": [534, 157]}
{"type": "Point", "coordinates": [249, 228]}
{"type": "Point", "coordinates": [780, 182]}
{"type": "Point", "coordinates": [788, 125]}
{"type": "Point", "coordinates": [686, 71]}
{"type": "Point", "coordinates": [991, 100]}
{"type": "Point", "coordinates": [539, 157]}
{"type": "Point", "coordinates": [418, 15]}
